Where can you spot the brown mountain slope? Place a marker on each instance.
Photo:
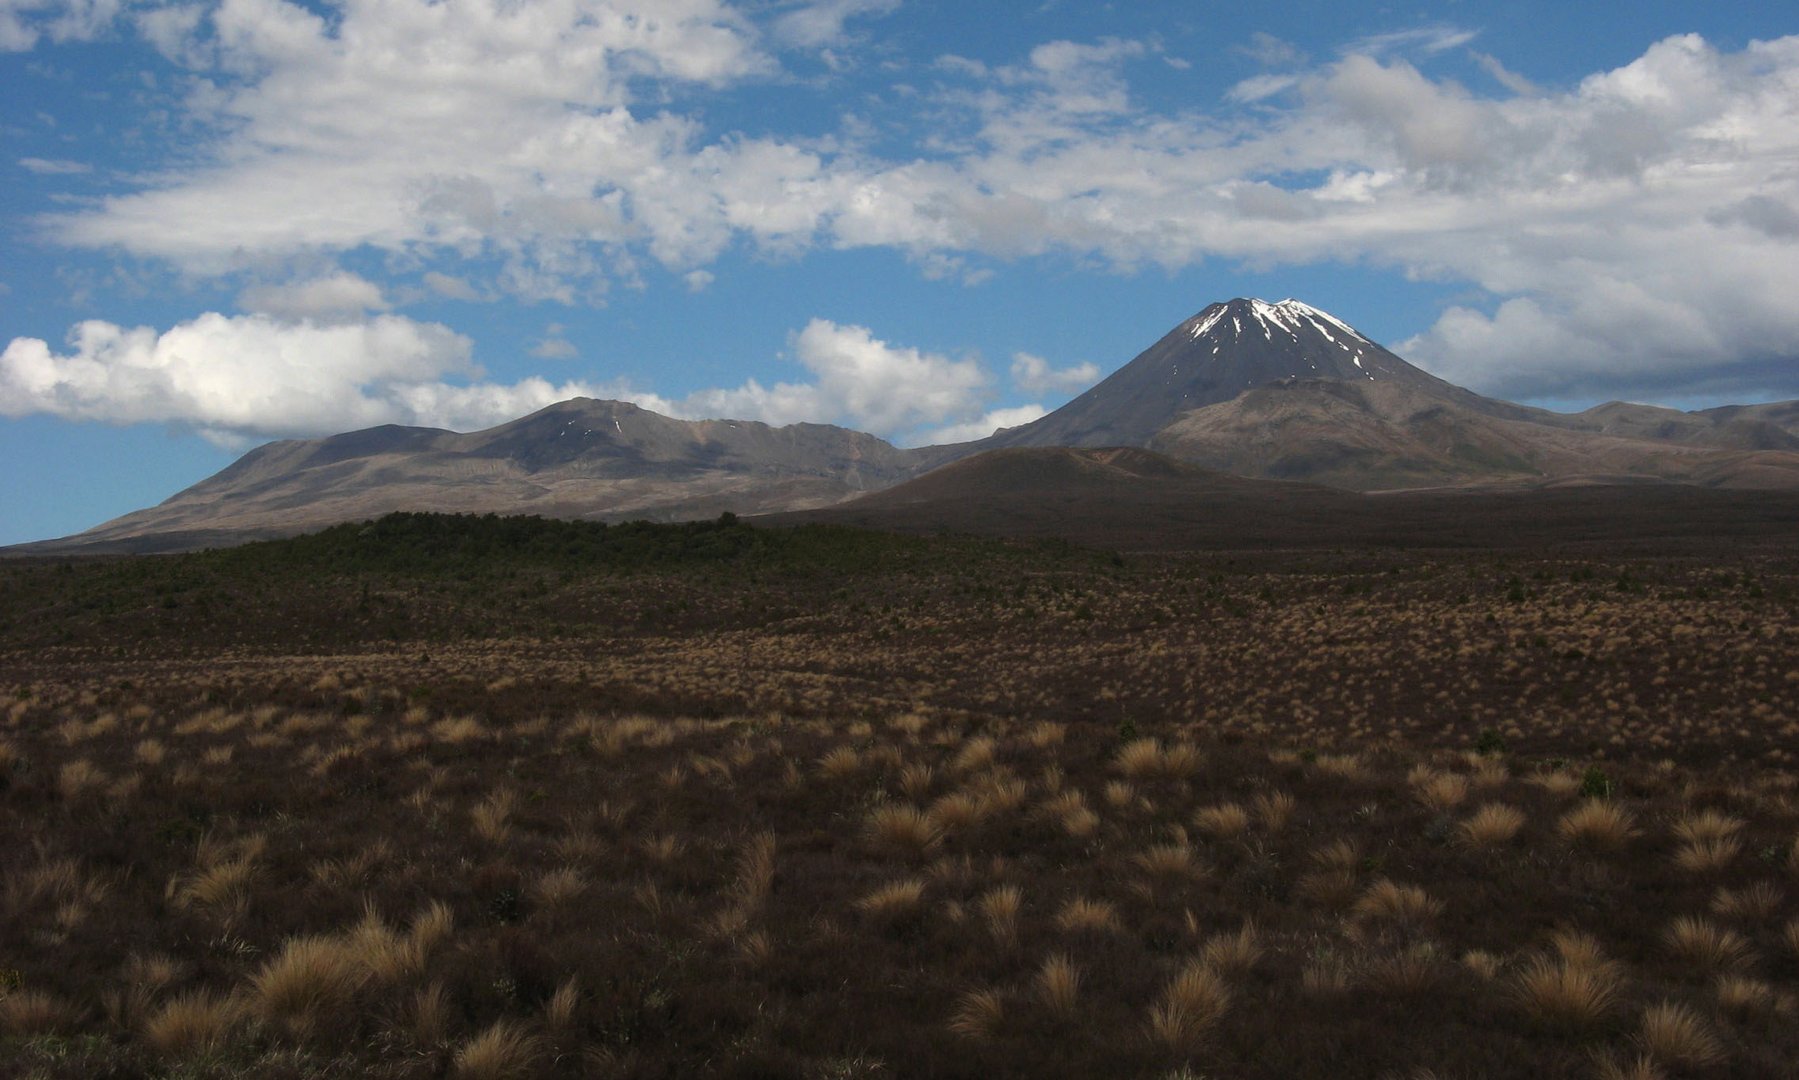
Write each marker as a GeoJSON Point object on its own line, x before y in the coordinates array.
{"type": "Point", "coordinates": [581, 458]}
{"type": "Point", "coordinates": [1380, 435]}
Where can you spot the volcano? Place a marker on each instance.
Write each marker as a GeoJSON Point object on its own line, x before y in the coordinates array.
{"type": "Point", "coordinates": [1226, 350]}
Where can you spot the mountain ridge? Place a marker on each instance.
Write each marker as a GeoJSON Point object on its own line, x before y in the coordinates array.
{"type": "Point", "coordinates": [1264, 391]}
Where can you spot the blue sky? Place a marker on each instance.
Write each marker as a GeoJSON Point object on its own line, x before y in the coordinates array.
{"type": "Point", "coordinates": [227, 222]}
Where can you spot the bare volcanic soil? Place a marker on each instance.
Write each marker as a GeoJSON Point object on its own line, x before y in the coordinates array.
{"type": "Point", "coordinates": [502, 797]}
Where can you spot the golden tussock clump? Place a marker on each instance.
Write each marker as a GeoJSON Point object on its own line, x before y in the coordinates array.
{"type": "Point", "coordinates": [1326, 977]}
{"type": "Point", "coordinates": [1705, 944]}
{"type": "Point", "coordinates": [893, 901]}
{"type": "Point", "coordinates": [1347, 767]}
{"type": "Point", "coordinates": [1391, 902]}
{"type": "Point", "coordinates": [957, 810]}
{"type": "Point", "coordinates": [1482, 963]}
{"type": "Point", "coordinates": [1080, 915]}
{"type": "Point", "coordinates": [1233, 954]}
{"type": "Point", "coordinates": [1438, 791]}
{"type": "Point", "coordinates": [308, 979]}
{"type": "Point", "coordinates": [503, 1051]}
{"type": "Point", "coordinates": [978, 1013]}
{"type": "Point", "coordinates": [190, 1025]}
{"type": "Point", "coordinates": [904, 828]}
{"type": "Point", "coordinates": [1756, 903]}
{"type": "Point", "coordinates": [1189, 1007]}
{"type": "Point", "coordinates": [1413, 970]}
{"type": "Point", "coordinates": [1058, 985]}
{"type": "Point", "coordinates": [999, 906]}
{"type": "Point", "coordinates": [1743, 997]}
{"type": "Point", "coordinates": [978, 753]}
{"type": "Point", "coordinates": [1641, 1067]}
{"type": "Point", "coordinates": [28, 1013]}
{"type": "Point", "coordinates": [1574, 990]}
{"type": "Point", "coordinates": [1274, 810]}
{"type": "Point", "coordinates": [1225, 821]}
{"type": "Point", "coordinates": [1597, 825]}
{"type": "Point", "coordinates": [1170, 862]}
{"type": "Point", "coordinates": [559, 1012]}
{"type": "Point", "coordinates": [840, 762]}
{"type": "Point", "coordinates": [915, 780]}
{"type": "Point", "coordinates": [429, 1016]}
{"type": "Point", "coordinates": [1147, 759]}
{"type": "Point", "coordinates": [1674, 1033]}
{"type": "Point", "coordinates": [1491, 826]}
{"type": "Point", "coordinates": [1709, 841]}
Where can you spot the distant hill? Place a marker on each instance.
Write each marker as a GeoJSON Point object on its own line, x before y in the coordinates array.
{"type": "Point", "coordinates": [1278, 391]}
{"type": "Point", "coordinates": [601, 460]}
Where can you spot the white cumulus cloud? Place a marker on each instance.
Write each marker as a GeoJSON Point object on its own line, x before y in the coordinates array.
{"type": "Point", "coordinates": [982, 426]}
{"type": "Point", "coordinates": [1033, 375]}
{"type": "Point", "coordinates": [251, 376]}
{"type": "Point", "coordinates": [859, 381]}
{"type": "Point", "coordinates": [341, 295]}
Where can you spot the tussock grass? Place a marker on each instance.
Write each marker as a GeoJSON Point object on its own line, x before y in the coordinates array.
{"type": "Point", "coordinates": [631, 850]}
{"type": "Point", "coordinates": [1346, 767]}
{"type": "Point", "coordinates": [1413, 970]}
{"type": "Point", "coordinates": [1483, 964]}
{"type": "Point", "coordinates": [978, 1014]}
{"type": "Point", "coordinates": [1082, 915]}
{"type": "Point", "coordinates": [1756, 903]}
{"type": "Point", "coordinates": [562, 1010]}
{"type": "Point", "coordinates": [999, 908]}
{"type": "Point", "coordinates": [1326, 977]}
{"type": "Point", "coordinates": [1233, 955]}
{"type": "Point", "coordinates": [903, 828]}
{"type": "Point", "coordinates": [502, 1051]}
{"type": "Point", "coordinates": [1705, 944]}
{"type": "Point", "coordinates": [893, 902]}
{"type": "Point", "coordinates": [430, 1015]}
{"type": "Point", "coordinates": [1440, 792]}
{"type": "Point", "coordinates": [1493, 825]}
{"type": "Point", "coordinates": [1226, 821]}
{"type": "Point", "coordinates": [1597, 825]}
{"type": "Point", "coordinates": [309, 980]}
{"type": "Point", "coordinates": [29, 1013]}
{"type": "Point", "coordinates": [1641, 1067]}
{"type": "Point", "coordinates": [1170, 862]}
{"type": "Point", "coordinates": [1190, 1006]}
{"type": "Point", "coordinates": [1274, 810]}
{"type": "Point", "coordinates": [957, 810]}
{"type": "Point", "coordinates": [915, 780]}
{"type": "Point", "coordinates": [1744, 997]}
{"type": "Point", "coordinates": [1672, 1032]}
{"type": "Point", "coordinates": [976, 754]}
{"type": "Point", "coordinates": [193, 1024]}
{"type": "Point", "coordinates": [1386, 901]}
{"type": "Point", "coordinates": [840, 762]}
{"type": "Point", "coordinates": [1706, 855]}
{"type": "Point", "coordinates": [1147, 759]}
{"type": "Point", "coordinates": [1057, 984]}
{"type": "Point", "coordinates": [1573, 992]}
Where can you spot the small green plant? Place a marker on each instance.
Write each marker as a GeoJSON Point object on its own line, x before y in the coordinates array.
{"type": "Point", "coordinates": [1595, 783]}
{"type": "Point", "coordinates": [1489, 743]}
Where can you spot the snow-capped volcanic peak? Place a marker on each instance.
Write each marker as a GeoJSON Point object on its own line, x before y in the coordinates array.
{"type": "Point", "coordinates": [1247, 316]}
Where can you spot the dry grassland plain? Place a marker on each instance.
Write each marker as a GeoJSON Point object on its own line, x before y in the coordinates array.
{"type": "Point", "coordinates": [488, 798]}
